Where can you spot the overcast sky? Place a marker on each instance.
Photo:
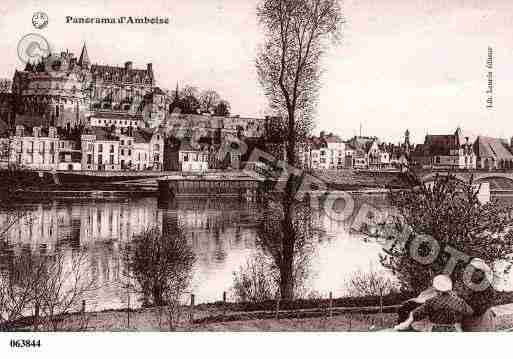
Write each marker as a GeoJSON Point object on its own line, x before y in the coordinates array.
{"type": "Point", "coordinates": [417, 64]}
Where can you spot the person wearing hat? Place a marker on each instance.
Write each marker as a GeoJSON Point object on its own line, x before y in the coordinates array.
{"type": "Point", "coordinates": [480, 294]}
{"type": "Point", "coordinates": [445, 310]}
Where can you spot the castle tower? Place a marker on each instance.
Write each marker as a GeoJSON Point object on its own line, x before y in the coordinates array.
{"type": "Point", "coordinates": [84, 61]}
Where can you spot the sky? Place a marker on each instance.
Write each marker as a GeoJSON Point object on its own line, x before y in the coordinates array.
{"type": "Point", "coordinates": [416, 64]}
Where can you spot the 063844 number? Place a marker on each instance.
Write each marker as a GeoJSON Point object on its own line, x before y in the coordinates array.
{"type": "Point", "coordinates": [25, 343]}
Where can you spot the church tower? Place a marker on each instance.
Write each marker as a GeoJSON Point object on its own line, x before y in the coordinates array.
{"type": "Point", "coordinates": [407, 138]}
{"type": "Point", "coordinates": [83, 61]}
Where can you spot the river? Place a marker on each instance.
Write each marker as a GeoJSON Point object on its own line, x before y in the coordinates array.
{"type": "Point", "coordinates": [221, 233]}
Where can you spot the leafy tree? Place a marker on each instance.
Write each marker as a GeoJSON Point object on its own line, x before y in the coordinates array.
{"type": "Point", "coordinates": [450, 213]}
{"type": "Point", "coordinates": [159, 264]}
{"type": "Point", "coordinates": [209, 99]}
{"type": "Point", "coordinates": [290, 251]}
{"type": "Point", "coordinates": [222, 108]}
{"type": "Point", "coordinates": [190, 105]}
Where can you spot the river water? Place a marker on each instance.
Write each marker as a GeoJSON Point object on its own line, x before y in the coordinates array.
{"type": "Point", "coordinates": [221, 233]}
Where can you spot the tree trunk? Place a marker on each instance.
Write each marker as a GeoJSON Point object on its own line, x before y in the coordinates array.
{"type": "Point", "coordinates": [291, 140]}
{"type": "Point", "coordinates": [287, 264]}
{"type": "Point", "coordinates": [157, 296]}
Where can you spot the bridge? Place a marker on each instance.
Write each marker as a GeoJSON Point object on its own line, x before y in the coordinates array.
{"type": "Point", "coordinates": [477, 176]}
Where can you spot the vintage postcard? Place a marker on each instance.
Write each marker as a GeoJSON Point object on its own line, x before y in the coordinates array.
{"type": "Point", "coordinates": [255, 165]}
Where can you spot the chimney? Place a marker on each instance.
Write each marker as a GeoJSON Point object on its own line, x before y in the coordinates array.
{"type": "Point", "coordinates": [128, 65]}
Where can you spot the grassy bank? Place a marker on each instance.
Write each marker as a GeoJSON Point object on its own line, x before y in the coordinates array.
{"type": "Point", "coordinates": [304, 314]}
{"type": "Point", "coordinates": [157, 319]}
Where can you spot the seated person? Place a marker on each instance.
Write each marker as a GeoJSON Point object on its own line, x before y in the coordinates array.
{"type": "Point", "coordinates": [408, 306]}
{"type": "Point", "coordinates": [481, 297]}
{"type": "Point", "coordinates": [445, 310]}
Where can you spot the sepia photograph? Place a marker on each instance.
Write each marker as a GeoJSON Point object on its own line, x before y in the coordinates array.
{"type": "Point", "coordinates": [253, 166]}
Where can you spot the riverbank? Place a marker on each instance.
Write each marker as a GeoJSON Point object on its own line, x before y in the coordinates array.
{"type": "Point", "coordinates": [310, 312]}
{"type": "Point", "coordinates": [157, 319]}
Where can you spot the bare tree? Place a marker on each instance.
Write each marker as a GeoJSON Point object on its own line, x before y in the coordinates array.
{"type": "Point", "coordinates": [370, 283]}
{"type": "Point", "coordinates": [288, 68]}
{"type": "Point", "coordinates": [209, 99]}
{"type": "Point", "coordinates": [62, 284]}
{"type": "Point", "coordinates": [18, 280]}
{"type": "Point", "coordinates": [44, 285]}
{"type": "Point", "coordinates": [255, 281]}
{"type": "Point", "coordinates": [288, 64]}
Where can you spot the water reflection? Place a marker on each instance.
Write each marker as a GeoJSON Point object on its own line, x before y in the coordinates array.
{"type": "Point", "coordinates": [222, 234]}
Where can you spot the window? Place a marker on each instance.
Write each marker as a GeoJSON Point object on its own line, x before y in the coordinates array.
{"type": "Point", "coordinates": [90, 147]}
{"type": "Point", "coordinates": [156, 147]}
{"type": "Point", "coordinates": [122, 152]}
{"type": "Point", "coordinates": [89, 159]}
{"type": "Point", "coordinates": [111, 148]}
{"type": "Point", "coordinates": [130, 152]}
{"type": "Point", "coordinates": [100, 147]}
{"type": "Point", "coordinates": [112, 159]}
{"type": "Point", "coordinates": [100, 159]}
{"type": "Point", "coordinates": [122, 142]}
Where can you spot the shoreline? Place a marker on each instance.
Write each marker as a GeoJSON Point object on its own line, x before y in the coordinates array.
{"type": "Point", "coordinates": [207, 314]}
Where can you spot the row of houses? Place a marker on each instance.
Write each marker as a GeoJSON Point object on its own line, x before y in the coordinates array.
{"type": "Point", "coordinates": [118, 144]}
{"type": "Point", "coordinates": [93, 148]}
{"type": "Point", "coordinates": [448, 151]}
{"type": "Point", "coordinates": [360, 152]}
{"type": "Point", "coordinates": [460, 151]}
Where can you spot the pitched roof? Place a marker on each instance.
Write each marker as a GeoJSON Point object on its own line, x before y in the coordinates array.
{"type": "Point", "coordinates": [84, 57]}
{"type": "Point", "coordinates": [102, 134]}
{"type": "Point", "coordinates": [142, 135]}
{"type": "Point", "coordinates": [489, 147]}
{"type": "Point", "coordinates": [115, 73]}
{"type": "Point", "coordinates": [29, 121]}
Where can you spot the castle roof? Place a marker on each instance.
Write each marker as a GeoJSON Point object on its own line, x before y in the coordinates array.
{"type": "Point", "coordinates": [123, 74]}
